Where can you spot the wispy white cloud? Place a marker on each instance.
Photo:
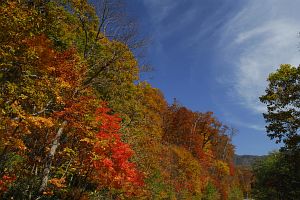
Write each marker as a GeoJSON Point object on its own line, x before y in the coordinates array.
{"type": "Point", "coordinates": [239, 120]}
{"type": "Point", "coordinates": [159, 9]}
{"type": "Point", "coordinates": [192, 18]}
{"type": "Point", "coordinates": [256, 41]}
{"type": "Point", "coordinates": [169, 18]}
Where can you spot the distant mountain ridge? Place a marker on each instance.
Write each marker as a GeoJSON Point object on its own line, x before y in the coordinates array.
{"type": "Point", "coordinates": [246, 160]}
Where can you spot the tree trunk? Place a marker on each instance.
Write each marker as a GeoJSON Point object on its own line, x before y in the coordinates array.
{"type": "Point", "coordinates": [55, 144]}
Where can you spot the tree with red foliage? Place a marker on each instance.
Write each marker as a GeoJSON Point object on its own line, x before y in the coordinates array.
{"type": "Point", "coordinates": [110, 156]}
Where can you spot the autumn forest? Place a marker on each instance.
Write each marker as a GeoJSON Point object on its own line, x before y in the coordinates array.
{"type": "Point", "coordinates": [78, 122]}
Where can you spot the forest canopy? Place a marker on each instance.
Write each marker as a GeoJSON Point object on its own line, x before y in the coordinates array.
{"type": "Point", "coordinates": [77, 122]}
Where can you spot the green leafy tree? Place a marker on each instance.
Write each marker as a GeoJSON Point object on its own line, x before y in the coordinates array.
{"type": "Point", "coordinates": [277, 177]}
{"type": "Point", "coordinates": [210, 192]}
{"type": "Point", "coordinates": [282, 98]}
{"type": "Point", "coordinates": [235, 194]}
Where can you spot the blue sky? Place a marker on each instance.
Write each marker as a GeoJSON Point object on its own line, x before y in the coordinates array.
{"type": "Point", "coordinates": [215, 55]}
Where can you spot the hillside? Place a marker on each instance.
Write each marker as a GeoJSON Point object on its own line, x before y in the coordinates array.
{"type": "Point", "coordinates": [246, 160]}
